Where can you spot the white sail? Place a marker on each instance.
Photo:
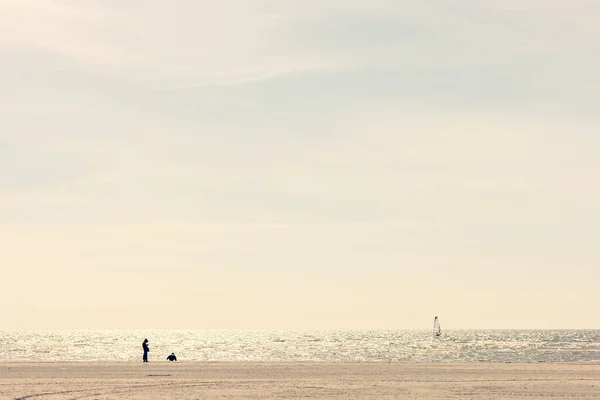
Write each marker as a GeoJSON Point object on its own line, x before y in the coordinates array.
{"type": "Point", "coordinates": [437, 329]}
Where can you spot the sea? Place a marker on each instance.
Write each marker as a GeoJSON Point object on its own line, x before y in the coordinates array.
{"type": "Point", "coordinates": [304, 346]}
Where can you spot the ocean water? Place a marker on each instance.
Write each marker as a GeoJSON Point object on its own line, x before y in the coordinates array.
{"type": "Point", "coordinates": [333, 345]}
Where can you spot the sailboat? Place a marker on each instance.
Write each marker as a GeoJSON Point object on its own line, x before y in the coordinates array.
{"type": "Point", "coordinates": [437, 329]}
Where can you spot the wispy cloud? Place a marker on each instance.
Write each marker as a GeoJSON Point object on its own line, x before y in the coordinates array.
{"type": "Point", "coordinates": [238, 41]}
{"type": "Point", "coordinates": [197, 41]}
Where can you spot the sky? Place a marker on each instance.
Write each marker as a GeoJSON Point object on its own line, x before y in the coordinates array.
{"type": "Point", "coordinates": [299, 164]}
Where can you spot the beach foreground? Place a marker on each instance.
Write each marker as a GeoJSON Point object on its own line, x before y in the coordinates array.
{"type": "Point", "coordinates": [228, 380]}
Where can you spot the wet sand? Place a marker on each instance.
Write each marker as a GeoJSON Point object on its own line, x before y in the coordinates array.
{"type": "Point", "coordinates": [233, 380]}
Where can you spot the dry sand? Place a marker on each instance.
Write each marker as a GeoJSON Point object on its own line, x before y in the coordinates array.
{"type": "Point", "coordinates": [229, 380]}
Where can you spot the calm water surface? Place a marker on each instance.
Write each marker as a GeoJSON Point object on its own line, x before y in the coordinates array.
{"type": "Point", "coordinates": [466, 345]}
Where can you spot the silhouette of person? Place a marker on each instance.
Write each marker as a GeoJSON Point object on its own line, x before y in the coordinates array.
{"type": "Point", "coordinates": [172, 357]}
{"type": "Point", "coordinates": [146, 350]}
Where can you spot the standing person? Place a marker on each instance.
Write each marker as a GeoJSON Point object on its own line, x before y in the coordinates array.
{"type": "Point", "coordinates": [146, 349]}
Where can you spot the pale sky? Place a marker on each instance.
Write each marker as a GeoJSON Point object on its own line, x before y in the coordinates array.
{"type": "Point", "coordinates": [299, 164]}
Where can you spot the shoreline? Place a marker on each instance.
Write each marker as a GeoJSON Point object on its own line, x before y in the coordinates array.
{"type": "Point", "coordinates": [293, 362]}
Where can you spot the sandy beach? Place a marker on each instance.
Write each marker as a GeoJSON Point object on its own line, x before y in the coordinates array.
{"type": "Point", "coordinates": [230, 380]}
